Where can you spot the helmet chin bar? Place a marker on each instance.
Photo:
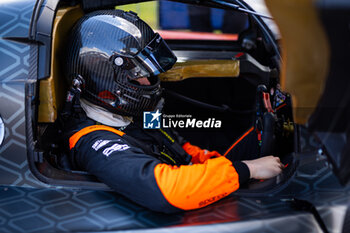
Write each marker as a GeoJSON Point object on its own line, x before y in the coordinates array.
{"type": "Point", "coordinates": [129, 99]}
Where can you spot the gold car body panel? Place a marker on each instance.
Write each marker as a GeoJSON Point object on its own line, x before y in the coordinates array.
{"type": "Point", "coordinates": [52, 92]}
{"type": "Point", "coordinates": [202, 69]}
{"type": "Point", "coordinates": [305, 53]}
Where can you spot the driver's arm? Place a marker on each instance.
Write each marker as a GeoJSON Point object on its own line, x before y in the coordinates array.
{"type": "Point", "coordinates": [151, 183]}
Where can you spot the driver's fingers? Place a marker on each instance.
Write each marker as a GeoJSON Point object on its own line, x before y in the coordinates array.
{"type": "Point", "coordinates": [280, 164]}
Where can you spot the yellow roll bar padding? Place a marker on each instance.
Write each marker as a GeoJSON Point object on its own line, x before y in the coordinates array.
{"type": "Point", "coordinates": [201, 69]}
{"type": "Point", "coordinates": [305, 53]}
{"type": "Point", "coordinates": [52, 90]}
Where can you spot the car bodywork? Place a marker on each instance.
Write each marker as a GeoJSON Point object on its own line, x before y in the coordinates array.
{"type": "Point", "coordinates": [35, 197]}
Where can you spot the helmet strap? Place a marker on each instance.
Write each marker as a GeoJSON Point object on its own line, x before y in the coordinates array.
{"type": "Point", "coordinates": [72, 104]}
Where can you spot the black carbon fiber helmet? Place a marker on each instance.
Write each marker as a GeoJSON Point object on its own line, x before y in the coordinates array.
{"type": "Point", "coordinates": [110, 49]}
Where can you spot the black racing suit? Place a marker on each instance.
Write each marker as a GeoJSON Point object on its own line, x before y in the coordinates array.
{"type": "Point", "coordinates": [123, 159]}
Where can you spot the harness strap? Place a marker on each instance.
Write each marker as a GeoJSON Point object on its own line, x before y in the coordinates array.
{"type": "Point", "coordinates": [75, 138]}
{"type": "Point", "coordinates": [169, 147]}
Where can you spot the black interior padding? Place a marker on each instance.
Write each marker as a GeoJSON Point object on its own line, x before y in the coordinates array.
{"type": "Point", "coordinates": [237, 93]}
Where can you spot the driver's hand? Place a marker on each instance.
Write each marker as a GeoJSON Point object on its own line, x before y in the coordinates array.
{"type": "Point", "coordinates": [265, 167]}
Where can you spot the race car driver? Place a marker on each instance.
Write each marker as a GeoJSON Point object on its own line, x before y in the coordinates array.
{"type": "Point", "coordinates": [113, 60]}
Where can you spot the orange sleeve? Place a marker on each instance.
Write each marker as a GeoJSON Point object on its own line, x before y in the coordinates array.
{"type": "Point", "coordinates": [199, 155]}
{"type": "Point", "coordinates": [194, 186]}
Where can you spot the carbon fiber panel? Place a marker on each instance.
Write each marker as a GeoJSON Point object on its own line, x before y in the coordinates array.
{"type": "Point", "coordinates": [14, 69]}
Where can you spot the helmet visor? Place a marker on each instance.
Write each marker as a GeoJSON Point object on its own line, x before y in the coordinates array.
{"type": "Point", "coordinates": [156, 57]}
